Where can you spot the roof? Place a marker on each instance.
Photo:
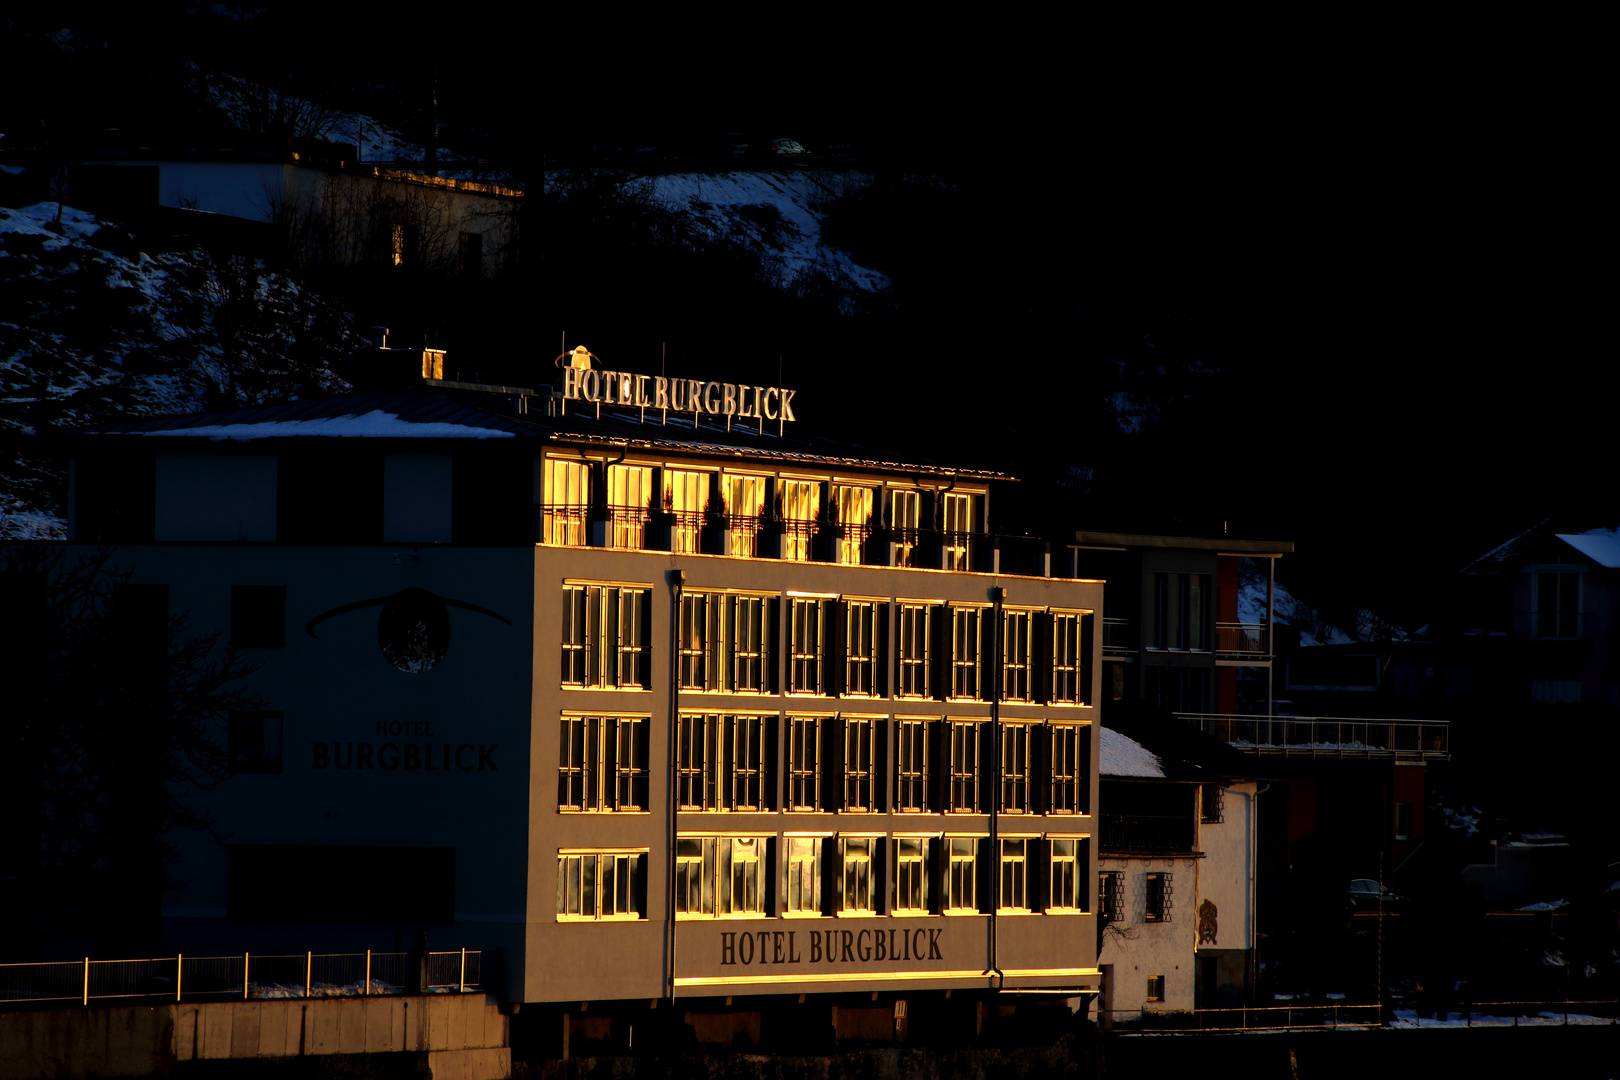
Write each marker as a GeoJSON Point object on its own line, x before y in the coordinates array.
{"type": "Point", "coordinates": [1133, 733]}
{"type": "Point", "coordinates": [460, 412]}
{"type": "Point", "coordinates": [1602, 546]}
{"type": "Point", "coordinates": [1186, 543]}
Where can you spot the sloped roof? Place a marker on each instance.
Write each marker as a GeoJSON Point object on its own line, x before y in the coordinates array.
{"type": "Point", "coordinates": [1602, 546]}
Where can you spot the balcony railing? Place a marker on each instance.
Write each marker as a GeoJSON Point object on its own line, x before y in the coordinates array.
{"type": "Point", "coordinates": [1162, 834]}
{"type": "Point", "coordinates": [1119, 637]}
{"type": "Point", "coordinates": [1327, 736]}
{"type": "Point", "coordinates": [1247, 641]}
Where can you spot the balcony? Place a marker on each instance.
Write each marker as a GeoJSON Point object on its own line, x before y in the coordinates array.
{"type": "Point", "coordinates": [1328, 736]}
{"type": "Point", "coordinates": [1147, 834]}
{"type": "Point", "coordinates": [1242, 641]}
{"type": "Point", "coordinates": [1119, 637]}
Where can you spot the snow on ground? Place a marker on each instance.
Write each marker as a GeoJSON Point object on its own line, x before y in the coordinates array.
{"type": "Point", "coordinates": [1292, 611]}
{"type": "Point", "coordinates": [1408, 1018]}
{"type": "Point", "coordinates": [1121, 756]}
{"type": "Point", "coordinates": [776, 212]}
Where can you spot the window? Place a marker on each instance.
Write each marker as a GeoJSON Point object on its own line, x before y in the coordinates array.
{"type": "Point", "coordinates": [966, 645]}
{"type": "Point", "coordinates": [630, 493]}
{"type": "Point", "coordinates": [1111, 895]}
{"type": "Point", "coordinates": [863, 647]}
{"type": "Point", "coordinates": [1210, 810]}
{"type": "Point", "coordinates": [696, 634]}
{"type": "Point", "coordinates": [604, 636]}
{"type": "Point", "coordinates": [601, 885]}
{"type": "Point", "coordinates": [724, 642]}
{"type": "Point", "coordinates": [1069, 769]}
{"type": "Point", "coordinates": [745, 502]}
{"type": "Point", "coordinates": [602, 763]}
{"type": "Point", "coordinates": [471, 263]}
{"type": "Point", "coordinates": [1403, 821]}
{"type": "Point", "coordinates": [956, 514]}
{"type": "Point", "coordinates": [964, 766]}
{"type": "Point", "coordinates": [1018, 742]}
{"type": "Point", "coordinates": [1557, 602]}
{"type": "Point", "coordinates": [722, 762]}
{"type": "Point", "coordinates": [856, 888]}
{"type": "Point", "coordinates": [1155, 988]}
{"type": "Point", "coordinates": [259, 616]}
{"type": "Point", "coordinates": [748, 760]}
{"type": "Point", "coordinates": [686, 496]}
{"type": "Point", "coordinates": [255, 741]}
{"type": "Point", "coordinates": [911, 874]}
{"type": "Point", "coordinates": [911, 767]}
{"type": "Point", "coordinates": [915, 627]}
{"type": "Point", "coordinates": [807, 624]}
{"type": "Point", "coordinates": [1179, 615]}
{"type": "Point", "coordinates": [804, 762]}
{"type": "Point", "coordinates": [1071, 658]}
{"type": "Point", "coordinates": [854, 509]}
{"type": "Point", "coordinates": [721, 875]}
{"type": "Point", "coordinates": [1013, 889]}
{"type": "Point", "coordinates": [961, 873]}
{"type": "Point", "coordinates": [1017, 659]}
{"type": "Point", "coordinates": [905, 518]}
{"type": "Point", "coordinates": [861, 750]}
{"type": "Point", "coordinates": [1067, 857]}
{"type": "Point", "coordinates": [563, 501]}
{"type": "Point", "coordinates": [1158, 897]}
{"type": "Point", "coordinates": [803, 875]}
{"type": "Point", "coordinates": [402, 246]}
{"type": "Point", "coordinates": [800, 506]}
{"type": "Point", "coordinates": [697, 763]}
{"type": "Point", "coordinates": [749, 655]}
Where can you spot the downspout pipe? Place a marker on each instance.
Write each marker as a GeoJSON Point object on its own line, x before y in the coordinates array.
{"type": "Point", "coordinates": [677, 581]}
{"type": "Point", "coordinates": [998, 595]}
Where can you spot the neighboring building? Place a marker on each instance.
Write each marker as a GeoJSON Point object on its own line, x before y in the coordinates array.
{"type": "Point", "coordinates": [628, 682]}
{"type": "Point", "coordinates": [1176, 873]}
{"type": "Point", "coordinates": [314, 202]}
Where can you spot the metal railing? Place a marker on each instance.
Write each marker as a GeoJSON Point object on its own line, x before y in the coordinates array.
{"type": "Point", "coordinates": [1327, 736]}
{"type": "Point", "coordinates": [1159, 833]}
{"type": "Point", "coordinates": [1119, 637]}
{"type": "Point", "coordinates": [222, 978]}
{"type": "Point", "coordinates": [1242, 640]}
{"type": "Point", "coordinates": [1251, 1018]}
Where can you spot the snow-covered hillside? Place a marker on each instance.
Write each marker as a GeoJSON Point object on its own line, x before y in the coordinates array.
{"type": "Point", "coordinates": [92, 329]}
{"type": "Point", "coordinates": [1292, 611]}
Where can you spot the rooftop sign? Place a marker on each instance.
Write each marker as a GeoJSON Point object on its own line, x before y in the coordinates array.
{"type": "Point", "coordinates": [695, 396]}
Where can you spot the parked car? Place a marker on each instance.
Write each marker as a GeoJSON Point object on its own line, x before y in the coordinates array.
{"type": "Point", "coordinates": [781, 147]}
{"type": "Point", "coordinates": [1364, 893]}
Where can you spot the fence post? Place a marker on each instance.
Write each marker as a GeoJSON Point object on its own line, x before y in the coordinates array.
{"type": "Point", "coordinates": [462, 989]}
{"type": "Point", "coordinates": [245, 957]}
{"type": "Point", "coordinates": [367, 991]}
{"type": "Point", "coordinates": [86, 1000]}
{"type": "Point", "coordinates": [179, 970]}
{"type": "Point", "coordinates": [309, 962]}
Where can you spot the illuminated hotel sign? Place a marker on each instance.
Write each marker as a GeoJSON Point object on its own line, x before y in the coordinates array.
{"type": "Point", "coordinates": [695, 396]}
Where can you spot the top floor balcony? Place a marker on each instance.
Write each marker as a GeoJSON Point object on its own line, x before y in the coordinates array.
{"type": "Point", "coordinates": [1328, 736]}
{"type": "Point", "coordinates": [1242, 641]}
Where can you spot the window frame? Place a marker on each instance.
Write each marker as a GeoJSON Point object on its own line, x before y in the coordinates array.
{"type": "Point", "coordinates": [912, 788]}
{"type": "Point", "coordinates": [914, 649]}
{"type": "Point", "coordinates": [565, 499]}
{"type": "Point", "coordinates": [966, 657]}
{"type": "Point", "coordinates": [959, 893]}
{"type": "Point", "coordinates": [606, 636]}
{"type": "Point", "coordinates": [636, 860]}
{"type": "Point", "coordinates": [604, 781]}
{"type": "Point", "coordinates": [860, 764]}
{"type": "Point", "coordinates": [1018, 655]}
{"type": "Point", "coordinates": [863, 626]}
{"type": "Point", "coordinates": [807, 644]}
{"type": "Point", "coordinates": [1068, 768]}
{"type": "Point", "coordinates": [860, 864]}
{"type": "Point", "coordinates": [1065, 891]}
{"type": "Point", "coordinates": [1069, 639]}
{"type": "Point", "coordinates": [711, 871]}
{"type": "Point", "coordinates": [963, 778]}
{"type": "Point", "coordinates": [915, 880]}
{"type": "Point", "coordinates": [810, 851]}
{"type": "Point", "coordinates": [1020, 772]}
{"type": "Point", "coordinates": [1014, 880]}
{"type": "Point", "coordinates": [1157, 893]}
{"type": "Point", "coordinates": [804, 766]}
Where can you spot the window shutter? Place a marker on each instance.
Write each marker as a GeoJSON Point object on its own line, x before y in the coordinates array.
{"type": "Point", "coordinates": [880, 669]}
{"type": "Point", "coordinates": [986, 867]}
{"type": "Point", "coordinates": [882, 853]}
{"type": "Point", "coordinates": [835, 655]}
{"type": "Point", "coordinates": [989, 786]}
{"type": "Point", "coordinates": [771, 641]}
{"type": "Point", "coordinates": [939, 765]}
{"type": "Point", "coordinates": [832, 876]}
{"type": "Point", "coordinates": [1038, 859]}
{"type": "Point", "coordinates": [881, 776]}
{"type": "Point", "coordinates": [772, 874]}
{"type": "Point", "coordinates": [608, 783]}
{"type": "Point", "coordinates": [936, 874]}
{"type": "Point", "coordinates": [939, 651]}
{"type": "Point", "coordinates": [1087, 624]}
{"type": "Point", "coordinates": [770, 758]}
{"type": "Point", "coordinates": [832, 763]}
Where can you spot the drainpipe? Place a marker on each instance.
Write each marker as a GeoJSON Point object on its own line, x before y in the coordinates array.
{"type": "Point", "coordinates": [677, 580]}
{"type": "Point", "coordinates": [1254, 937]}
{"type": "Point", "coordinates": [998, 594]}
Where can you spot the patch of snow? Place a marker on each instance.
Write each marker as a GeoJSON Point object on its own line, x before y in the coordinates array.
{"type": "Point", "coordinates": [1122, 756]}
{"type": "Point", "coordinates": [1546, 905]}
{"type": "Point", "coordinates": [1602, 546]}
{"type": "Point", "coordinates": [375, 424]}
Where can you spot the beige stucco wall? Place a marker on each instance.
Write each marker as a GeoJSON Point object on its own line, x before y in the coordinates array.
{"type": "Point", "coordinates": [1138, 949]}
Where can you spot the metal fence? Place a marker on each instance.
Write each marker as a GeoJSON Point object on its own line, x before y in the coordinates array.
{"type": "Point", "coordinates": [1327, 736]}
{"type": "Point", "coordinates": [221, 978]}
{"type": "Point", "coordinates": [1602, 1013]}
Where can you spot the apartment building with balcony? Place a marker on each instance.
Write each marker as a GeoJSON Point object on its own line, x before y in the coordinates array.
{"type": "Point", "coordinates": [629, 681]}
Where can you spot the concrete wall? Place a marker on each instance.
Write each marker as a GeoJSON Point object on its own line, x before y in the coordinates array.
{"type": "Point", "coordinates": [463, 1036]}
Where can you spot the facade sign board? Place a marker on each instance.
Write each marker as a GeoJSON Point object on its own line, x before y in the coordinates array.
{"type": "Point", "coordinates": [677, 395]}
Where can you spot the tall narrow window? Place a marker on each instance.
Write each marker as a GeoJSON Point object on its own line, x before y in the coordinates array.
{"type": "Point", "coordinates": [911, 874]}
{"type": "Point", "coordinates": [1068, 768]}
{"type": "Point", "coordinates": [914, 645]}
{"type": "Point", "coordinates": [686, 496]}
{"type": "Point", "coordinates": [961, 873]}
{"type": "Point", "coordinates": [747, 763]}
{"type": "Point", "coordinates": [696, 633]}
{"type": "Point", "coordinates": [604, 636]}
{"type": "Point", "coordinates": [1179, 615]}
{"type": "Point", "coordinates": [745, 502]}
{"type": "Point", "coordinates": [1013, 890]}
{"type": "Point", "coordinates": [905, 517]}
{"type": "Point", "coordinates": [856, 892]}
{"type": "Point", "coordinates": [1110, 895]}
{"type": "Point", "coordinates": [804, 762]}
{"type": "Point", "coordinates": [1158, 897]}
{"type": "Point", "coordinates": [956, 524]}
{"type": "Point", "coordinates": [1017, 768]}
{"type": "Point", "coordinates": [1558, 603]}
{"type": "Point", "coordinates": [697, 762]}
{"type": "Point", "coordinates": [748, 638]}
{"type": "Point", "coordinates": [854, 508]}
{"type": "Point", "coordinates": [602, 763]}
{"type": "Point", "coordinates": [808, 628]}
{"type": "Point", "coordinates": [1017, 658]}
{"type": "Point", "coordinates": [694, 890]}
{"type": "Point", "coordinates": [800, 506]}
{"type": "Point", "coordinates": [565, 495]}
{"type": "Point", "coordinates": [1067, 859]}
{"type": "Point", "coordinates": [860, 763]}
{"type": "Point", "coordinates": [1071, 655]}
{"type": "Point", "coordinates": [629, 494]}
{"type": "Point", "coordinates": [966, 646]}
{"type": "Point", "coordinates": [803, 875]}
{"type": "Point", "coordinates": [911, 767]}
{"type": "Point", "coordinates": [742, 873]}
{"type": "Point", "coordinates": [471, 262]}
{"type": "Point", "coordinates": [863, 648]}
{"type": "Point", "coordinates": [964, 766]}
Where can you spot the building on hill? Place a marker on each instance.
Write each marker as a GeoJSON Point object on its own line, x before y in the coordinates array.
{"type": "Point", "coordinates": [626, 680]}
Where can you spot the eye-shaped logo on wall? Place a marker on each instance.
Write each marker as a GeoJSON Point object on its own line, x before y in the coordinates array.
{"type": "Point", "coordinates": [413, 629]}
